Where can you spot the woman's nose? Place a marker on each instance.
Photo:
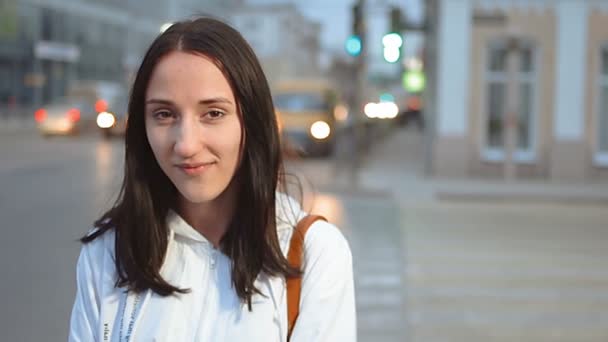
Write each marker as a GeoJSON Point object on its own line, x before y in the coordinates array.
{"type": "Point", "coordinates": [187, 139]}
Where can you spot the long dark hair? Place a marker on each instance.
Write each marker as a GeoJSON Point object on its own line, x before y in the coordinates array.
{"type": "Point", "coordinates": [139, 215]}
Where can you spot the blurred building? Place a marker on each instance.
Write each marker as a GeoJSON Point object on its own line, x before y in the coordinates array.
{"type": "Point", "coordinates": [47, 44]}
{"type": "Point", "coordinates": [545, 62]}
{"type": "Point", "coordinates": [286, 42]}
{"type": "Point", "coordinates": [183, 9]}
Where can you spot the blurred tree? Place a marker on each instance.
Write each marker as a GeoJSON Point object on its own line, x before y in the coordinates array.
{"type": "Point", "coordinates": [8, 19]}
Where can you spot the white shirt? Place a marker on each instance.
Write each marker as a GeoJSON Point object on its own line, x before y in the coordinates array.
{"type": "Point", "coordinates": [212, 311]}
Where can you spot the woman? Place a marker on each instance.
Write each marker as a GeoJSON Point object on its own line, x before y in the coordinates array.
{"type": "Point", "coordinates": [195, 247]}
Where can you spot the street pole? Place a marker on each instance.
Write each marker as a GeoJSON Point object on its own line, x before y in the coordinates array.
{"type": "Point", "coordinates": [431, 14]}
{"type": "Point", "coordinates": [361, 78]}
{"type": "Point", "coordinates": [510, 119]}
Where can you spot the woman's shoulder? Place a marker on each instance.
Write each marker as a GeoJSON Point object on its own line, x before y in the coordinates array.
{"type": "Point", "coordinates": [326, 239]}
{"type": "Point", "coordinates": [327, 265]}
{"type": "Point", "coordinates": [101, 245]}
{"type": "Point", "coordinates": [322, 238]}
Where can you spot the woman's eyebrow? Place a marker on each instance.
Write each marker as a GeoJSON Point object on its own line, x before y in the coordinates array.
{"type": "Point", "coordinates": [211, 100]}
{"type": "Point", "coordinates": [159, 101]}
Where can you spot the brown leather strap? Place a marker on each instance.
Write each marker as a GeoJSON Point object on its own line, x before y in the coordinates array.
{"type": "Point", "coordinates": [295, 256]}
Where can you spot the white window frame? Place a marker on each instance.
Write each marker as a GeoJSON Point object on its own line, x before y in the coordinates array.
{"type": "Point", "coordinates": [600, 158]}
{"type": "Point", "coordinates": [493, 154]}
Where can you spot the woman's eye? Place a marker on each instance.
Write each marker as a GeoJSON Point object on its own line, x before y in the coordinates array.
{"type": "Point", "coordinates": [163, 114]}
{"type": "Point", "coordinates": [215, 114]}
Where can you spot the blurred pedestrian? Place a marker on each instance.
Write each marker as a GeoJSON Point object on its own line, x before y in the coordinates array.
{"type": "Point", "coordinates": [200, 243]}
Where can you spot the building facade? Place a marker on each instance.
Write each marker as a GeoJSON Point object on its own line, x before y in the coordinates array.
{"type": "Point", "coordinates": [286, 42]}
{"type": "Point", "coordinates": [521, 88]}
{"type": "Point", "coordinates": [47, 44]}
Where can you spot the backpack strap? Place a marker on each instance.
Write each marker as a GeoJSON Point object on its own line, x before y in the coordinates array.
{"type": "Point", "coordinates": [295, 256]}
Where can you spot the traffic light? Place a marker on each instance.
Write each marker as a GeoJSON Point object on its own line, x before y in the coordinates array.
{"type": "Point", "coordinates": [392, 41]}
{"type": "Point", "coordinates": [357, 20]}
{"type": "Point", "coordinates": [392, 47]}
{"type": "Point", "coordinates": [396, 24]}
{"type": "Point", "coordinates": [353, 45]}
{"type": "Point", "coordinates": [414, 81]}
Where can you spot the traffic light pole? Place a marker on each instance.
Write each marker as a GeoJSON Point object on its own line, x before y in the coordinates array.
{"type": "Point", "coordinates": [361, 78]}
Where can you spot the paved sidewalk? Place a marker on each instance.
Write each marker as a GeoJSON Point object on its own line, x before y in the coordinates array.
{"type": "Point", "coordinates": [396, 165]}
{"type": "Point", "coordinates": [480, 266]}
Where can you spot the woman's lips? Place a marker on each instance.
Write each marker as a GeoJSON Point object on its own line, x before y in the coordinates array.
{"type": "Point", "coordinates": [192, 169]}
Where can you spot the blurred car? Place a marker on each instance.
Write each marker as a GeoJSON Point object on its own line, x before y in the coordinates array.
{"type": "Point", "coordinates": [112, 116]}
{"type": "Point", "coordinates": [63, 117]}
{"type": "Point", "coordinates": [305, 111]}
{"type": "Point", "coordinates": [78, 111]}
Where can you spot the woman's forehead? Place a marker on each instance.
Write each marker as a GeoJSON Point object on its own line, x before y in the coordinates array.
{"type": "Point", "coordinates": [183, 72]}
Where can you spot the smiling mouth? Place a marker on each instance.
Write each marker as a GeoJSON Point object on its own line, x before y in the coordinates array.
{"type": "Point", "coordinates": [193, 169]}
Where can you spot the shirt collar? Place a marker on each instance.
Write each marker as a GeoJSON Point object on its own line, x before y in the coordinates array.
{"type": "Point", "coordinates": [287, 208]}
{"type": "Point", "coordinates": [289, 212]}
{"type": "Point", "coordinates": [180, 227]}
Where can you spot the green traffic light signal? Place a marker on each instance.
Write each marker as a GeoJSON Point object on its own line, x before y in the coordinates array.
{"type": "Point", "coordinates": [353, 45]}
{"type": "Point", "coordinates": [414, 81]}
{"type": "Point", "coordinates": [391, 55]}
{"type": "Point", "coordinates": [392, 47]}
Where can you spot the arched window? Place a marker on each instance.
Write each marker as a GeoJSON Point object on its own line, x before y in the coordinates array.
{"type": "Point", "coordinates": [495, 100]}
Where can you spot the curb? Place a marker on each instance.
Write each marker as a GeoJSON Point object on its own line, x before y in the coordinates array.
{"type": "Point", "coordinates": [521, 197]}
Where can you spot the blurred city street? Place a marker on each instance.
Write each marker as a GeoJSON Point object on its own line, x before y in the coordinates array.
{"type": "Point", "coordinates": [426, 268]}
{"type": "Point", "coordinates": [461, 147]}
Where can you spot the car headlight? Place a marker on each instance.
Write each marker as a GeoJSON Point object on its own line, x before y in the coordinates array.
{"type": "Point", "coordinates": [320, 130]}
{"type": "Point", "coordinates": [105, 120]}
{"type": "Point", "coordinates": [381, 110]}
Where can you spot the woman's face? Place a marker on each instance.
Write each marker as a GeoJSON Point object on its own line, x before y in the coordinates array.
{"type": "Point", "coordinates": [193, 126]}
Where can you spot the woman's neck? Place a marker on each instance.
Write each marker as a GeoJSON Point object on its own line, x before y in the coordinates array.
{"type": "Point", "coordinates": [212, 218]}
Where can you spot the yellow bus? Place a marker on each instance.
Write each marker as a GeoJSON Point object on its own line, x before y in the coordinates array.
{"type": "Point", "coordinates": [305, 111]}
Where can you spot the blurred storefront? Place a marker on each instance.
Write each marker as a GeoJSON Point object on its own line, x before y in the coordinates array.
{"type": "Point", "coordinates": [521, 89]}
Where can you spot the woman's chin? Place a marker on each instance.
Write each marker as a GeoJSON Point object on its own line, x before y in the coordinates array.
{"type": "Point", "coordinates": [198, 197]}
